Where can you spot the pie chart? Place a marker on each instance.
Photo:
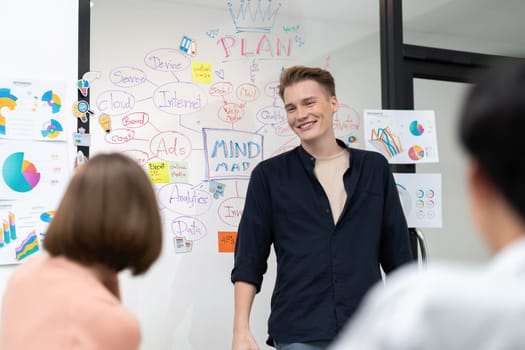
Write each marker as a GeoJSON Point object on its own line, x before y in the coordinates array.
{"type": "Point", "coordinates": [20, 174]}
{"type": "Point", "coordinates": [416, 128]}
{"type": "Point", "coordinates": [53, 101]}
{"type": "Point", "coordinates": [416, 152]}
{"type": "Point", "coordinates": [51, 129]}
{"type": "Point", "coordinates": [47, 216]}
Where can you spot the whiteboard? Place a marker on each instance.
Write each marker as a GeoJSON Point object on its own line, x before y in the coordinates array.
{"type": "Point", "coordinates": [191, 95]}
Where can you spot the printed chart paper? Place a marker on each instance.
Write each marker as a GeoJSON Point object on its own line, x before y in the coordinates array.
{"type": "Point", "coordinates": [402, 136]}
{"type": "Point", "coordinates": [420, 196]}
{"type": "Point", "coordinates": [32, 110]}
{"type": "Point", "coordinates": [23, 228]}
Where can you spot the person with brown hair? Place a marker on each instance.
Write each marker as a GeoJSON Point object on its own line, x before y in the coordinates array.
{"type": "Point", "coordinates": [333, 216]}
{"type": "Point", "coordinates": [68, 297]}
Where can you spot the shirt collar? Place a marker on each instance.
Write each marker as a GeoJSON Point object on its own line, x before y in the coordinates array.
{"type": "Point", "coordinates": [511, 260]}
{"type": "Point", "coordinates": [308, 160]}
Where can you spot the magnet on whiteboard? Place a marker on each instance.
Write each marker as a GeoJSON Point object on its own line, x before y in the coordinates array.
{"type": "Point", "coordinates": [91, 76]}
{"type": "Point", "coordinates": [81, 139]}
{"type": "Point", "coordinates": [80, 159]}
{"type": "Point", "coordinates": [81, 110]}
{"type": "Point", "coordinates": [182, 245]}
{"type": "Point", "coordinates": [217, 188]}
{"type": "Point", "coordinates": [105, 122]}
{"type": "Point", "coordinates": [193, 48]}
{"type": "Point", "coordinates": [185, 44]}
{"type": "Point", "coordinates": [83, 87]}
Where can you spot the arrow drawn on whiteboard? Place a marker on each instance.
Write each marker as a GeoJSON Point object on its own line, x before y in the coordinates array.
{"type": "Point", "coordinates": [220, 73]}
{"type": "Point", "coordinates": [186, 127]}
{"type": "Point", "coordinates": [175, 76]}
{"type": "Point", "coordinates": [327, 65]}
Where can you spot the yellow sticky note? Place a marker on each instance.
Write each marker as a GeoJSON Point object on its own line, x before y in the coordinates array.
{"type": "Point", "coordinates": [159, 172]}
{"type": "Point", "coordinates": [201, 72]}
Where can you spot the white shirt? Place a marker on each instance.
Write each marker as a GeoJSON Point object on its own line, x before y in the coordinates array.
{"type": "Point", "coordinates": [445, 307]}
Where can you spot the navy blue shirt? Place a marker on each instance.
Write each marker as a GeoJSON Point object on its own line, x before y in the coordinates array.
{"type": "Point", "coordinates": [323, 269]}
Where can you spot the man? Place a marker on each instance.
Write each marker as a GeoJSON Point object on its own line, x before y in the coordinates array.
{"type": "Point", "coordinates": [333, 215]}
{"type": "Point", "coordinates": [451, 306]}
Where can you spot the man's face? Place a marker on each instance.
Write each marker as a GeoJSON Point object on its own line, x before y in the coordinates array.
{"type": "Point", "coordinates": [310, 111]}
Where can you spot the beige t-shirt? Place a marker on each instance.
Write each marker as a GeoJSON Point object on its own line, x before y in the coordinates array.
{"type": "Point", "coordinates": [329, 172]}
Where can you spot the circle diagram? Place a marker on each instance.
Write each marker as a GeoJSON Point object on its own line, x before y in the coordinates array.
{"type": "Point", "coordinates": [416, 128]}
{"type": "Point", "coordinates": [19, 174]}
{"type": "Point", "coordinates": [51, 129]}
{"type": "Point", "coordinates": [47, 216]}
{"type": "Point", "coordinates": [416, 152]}
{"type": "Point", "coordinates": [53, 101]}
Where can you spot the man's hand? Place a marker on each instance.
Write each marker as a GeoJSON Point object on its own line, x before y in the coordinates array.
{"type": "Point", "coordinates": [243, 340]}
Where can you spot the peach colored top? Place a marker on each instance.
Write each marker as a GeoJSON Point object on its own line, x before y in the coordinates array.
{"type": "Point", "coordinates": [54, 303]}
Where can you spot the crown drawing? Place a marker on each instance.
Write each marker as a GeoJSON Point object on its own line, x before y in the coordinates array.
{"type": "Point", "coordinates": [254, 15]}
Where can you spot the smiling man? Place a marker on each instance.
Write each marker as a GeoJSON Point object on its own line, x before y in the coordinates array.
{"type": "Point", "coordinates": [333, 216]}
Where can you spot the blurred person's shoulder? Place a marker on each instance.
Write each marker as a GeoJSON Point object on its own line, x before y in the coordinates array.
{"type": "Point", "coordinates": [449, 305]}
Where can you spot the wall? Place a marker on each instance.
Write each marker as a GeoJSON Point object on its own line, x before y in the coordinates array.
{"type": "Point", "coordinates": [40, 50]}
{"type": "Point", "coordinates": [458, 239]}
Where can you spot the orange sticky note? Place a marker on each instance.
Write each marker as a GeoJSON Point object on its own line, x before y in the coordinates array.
{"type": "Point", "coordinates": [226, 241]}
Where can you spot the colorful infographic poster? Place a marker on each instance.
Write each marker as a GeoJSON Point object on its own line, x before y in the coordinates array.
{"type": "Point", "coordinates": [420, 196]}
{"type": "Point", "coordinates": [402, 136]}
{"type": "Point", "coordinates": [33, 110]}
{"type": "Point", "coordinates": [35, 127]}
{"type": "Point", "coordinates": [32, 169]}
{"type": "Point", "coordinates": [23, 229]}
